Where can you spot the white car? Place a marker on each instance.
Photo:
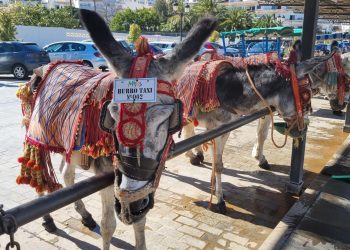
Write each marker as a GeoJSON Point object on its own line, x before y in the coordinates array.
{"type": "Point", "coordinates": [166, 47]}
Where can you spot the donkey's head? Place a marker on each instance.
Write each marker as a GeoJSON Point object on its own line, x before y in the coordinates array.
{"type": "Point", "coordinates": [327, 78]}
{"type": "Point", "coordinates": [140, 165]}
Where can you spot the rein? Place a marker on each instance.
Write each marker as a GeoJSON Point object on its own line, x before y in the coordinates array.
{"type": "Point", "coordinates": [270, 112]}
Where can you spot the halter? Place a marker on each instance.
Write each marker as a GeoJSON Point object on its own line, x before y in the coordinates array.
{"type": "Point", "coordinates": [130, 133]}
{"type": "Point", "coordinates": [334, 68]}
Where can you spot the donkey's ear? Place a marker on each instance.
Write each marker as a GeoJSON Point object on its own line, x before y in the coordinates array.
{"type": "Point", "coordinates": [189, 47]}
{"type": "Point", "coordinates": [113, 51]}
{"type": "Point", "coordinates": [309, 65]}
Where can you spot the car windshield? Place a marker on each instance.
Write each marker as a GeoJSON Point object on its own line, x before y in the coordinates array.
{"type": "Point", "coordinates": [32, 47]}
{"type": "Point", "coordinates": [156, 49]}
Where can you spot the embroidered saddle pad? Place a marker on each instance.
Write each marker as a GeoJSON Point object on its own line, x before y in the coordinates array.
{"type": "Point", "coordinates": [66, 109]}
{"type": "Point", "coordinates": [197, 86]}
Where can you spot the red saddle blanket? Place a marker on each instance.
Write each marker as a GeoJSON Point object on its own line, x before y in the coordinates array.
{"type": "Point", "coordinates": [197, 86]}
{"type": "Point", "coordinates": [66, 108]}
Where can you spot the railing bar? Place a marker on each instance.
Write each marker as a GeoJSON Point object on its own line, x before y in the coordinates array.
{"type": "Point", "coordinates": [37, 208]}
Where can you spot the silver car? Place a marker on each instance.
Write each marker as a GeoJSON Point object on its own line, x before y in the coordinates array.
{"type": "Point", "coordinates": [85, 51]}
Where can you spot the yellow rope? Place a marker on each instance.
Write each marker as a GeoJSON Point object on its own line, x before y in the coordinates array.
{"type": "Point", "coordinates": [270, 113]}
{"type": "Point", "coordinates": [205, 147]}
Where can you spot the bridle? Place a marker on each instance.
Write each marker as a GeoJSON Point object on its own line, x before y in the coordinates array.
{"type": "Point", "coordinates": [138, 167]}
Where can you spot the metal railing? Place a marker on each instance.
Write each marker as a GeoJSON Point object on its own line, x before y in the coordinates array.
{"type": "Point", "coordinates": [18, 216]}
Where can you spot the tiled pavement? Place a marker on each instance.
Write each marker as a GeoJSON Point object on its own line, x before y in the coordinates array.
{"type": "Point", "coordinates": [180, 220]}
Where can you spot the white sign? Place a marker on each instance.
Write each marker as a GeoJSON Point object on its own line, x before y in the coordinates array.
{"type": "Point", "coordinates": [129, 90]}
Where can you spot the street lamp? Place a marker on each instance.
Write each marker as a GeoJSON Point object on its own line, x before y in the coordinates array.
{"type": "Point", "coordinates": [181, 13]}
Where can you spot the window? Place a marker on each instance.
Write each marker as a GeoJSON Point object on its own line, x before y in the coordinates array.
{"type": "Point", "coordinates": [77, 47]}
{"type": "Point", "coordinates": [54, 47]}
{"type": "Point", "coordinates": [6, 48]}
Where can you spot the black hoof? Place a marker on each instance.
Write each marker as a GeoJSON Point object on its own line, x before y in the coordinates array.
{"type": "Point", "coordinates": [338, 112]}
{"type": "Point", "coordinates": [197, 159]}
{"type": "Point", "coordinates": [221, 207]}
{"type": "Point", "coordinates": [49, 225]}
{"type": "Point", "coordinates": [89, 222]}
{"type": "Point", "coordinates": [265, 165]}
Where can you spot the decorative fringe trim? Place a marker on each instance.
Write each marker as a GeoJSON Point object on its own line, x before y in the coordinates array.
{"type": "Point", "coordinates": [37, 170]}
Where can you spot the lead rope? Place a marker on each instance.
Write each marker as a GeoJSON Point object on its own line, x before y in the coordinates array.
{"type": "Point", "coordinates": [205, 148]}
{"type": "Point", "coordinates": [270, 113]}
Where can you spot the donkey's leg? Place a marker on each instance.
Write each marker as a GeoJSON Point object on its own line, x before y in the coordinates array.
{"type": "Point", "coordinates": [219, 166]}
{"type": "Point", "coordinates": [139, 230]}
{"type": "Point", "coordinates": [68, 176]}
{"type": "Point", "coordinates": [108, 221]}
{"type": "Point", "coordinates": [261, 135]}
{"type": "Point", "coordinates": [197, 158]}
{"type": "Point", "coordinates": [48, 223]}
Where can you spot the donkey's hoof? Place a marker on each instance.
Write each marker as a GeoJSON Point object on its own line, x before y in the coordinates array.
{"type": "Point", "coordinates": [49, 225]}
{"type": "Point", "coordinates": [265, 165]}
{"type": "Point", "coordinates": [89, 222]}
{"type": "Point", "coordinates": [221, 207]}
{"type": "Point", "coordinates": [197, 159]}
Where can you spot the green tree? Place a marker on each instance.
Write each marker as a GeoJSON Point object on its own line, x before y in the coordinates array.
{"type": "Point", "coordinates": [214, 36]}
{"type": "Point", "coordinates": [147, 19]}
{"type": "Point", "coordinates": [266, 21]}
{"type": "Point", "coordinates": [211, 7]}
{"type": "Point", "coordinates": [134, 33]}
{"type": "Point", "coordinates": [163, 9]}
{"type": "Point", "coordinates": [7, 26]}
{"type": "Point", "coordinates": [237, 19]}
{"type": "Point", "coordinates": [38, 15]}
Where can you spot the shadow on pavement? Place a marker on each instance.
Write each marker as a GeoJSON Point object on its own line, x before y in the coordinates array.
{"type": "Point", "coordinates": [327, 113]}
{"type": "Point", "coordinates": [258, 197]}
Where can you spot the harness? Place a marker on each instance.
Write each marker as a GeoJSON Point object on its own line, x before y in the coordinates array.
{"type": "Point", "coordinates": [130, 134]}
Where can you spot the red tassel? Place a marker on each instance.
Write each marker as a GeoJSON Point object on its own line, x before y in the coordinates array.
{"type": "Point", "coordinates": [37, 168]}
{"type": "Point", "coordinates": [19, 180]}
{"type": "Point", "coordinates": [39, 189]}
{"type": "Point", "coordinates": [30, 163]}
{"type": "Point", "coordinates": [195, 122]}
{"type": "Point", "coordinates": [33, 183]}
{"type": "Point", "coordinates": [25, 180]}
{"type": "Point", "coordinates": [22, 159]}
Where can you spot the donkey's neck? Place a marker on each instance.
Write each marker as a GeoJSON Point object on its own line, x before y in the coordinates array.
{"type": "Point", "coordinates": [236, 94]}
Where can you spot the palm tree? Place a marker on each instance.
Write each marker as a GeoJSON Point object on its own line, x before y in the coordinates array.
{"type": "Point", "coordinates": [266, 21]}
{"type": "Point", "coordinates": [237, 19]}
{"type": "Point", "coordinates": [212, 7]}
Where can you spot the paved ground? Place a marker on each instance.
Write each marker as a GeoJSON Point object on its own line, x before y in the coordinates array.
{"type": "Point", "coordinates": [180, 220]}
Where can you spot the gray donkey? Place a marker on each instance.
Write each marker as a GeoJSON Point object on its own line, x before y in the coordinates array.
{"type": "Point", "coordinates": [237, 98]}
{"type": "Point", "coordinates": [138, 168]}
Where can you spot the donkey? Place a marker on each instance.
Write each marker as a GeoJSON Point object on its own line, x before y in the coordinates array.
{"type": "Point", "coordinates": [237, 98]}
{"type": "Point", "coordinates": [138, 165]}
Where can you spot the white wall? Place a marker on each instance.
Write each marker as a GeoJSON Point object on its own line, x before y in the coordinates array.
{"type": "Point", "coordinates": [46, 35]}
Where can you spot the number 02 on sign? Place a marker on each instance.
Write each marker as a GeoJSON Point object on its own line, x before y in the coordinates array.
{"type": "Point", "coordinates": [130, 90]}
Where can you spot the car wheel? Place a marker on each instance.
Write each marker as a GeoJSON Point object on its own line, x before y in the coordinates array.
{"type": "Point", "coordinates": [19, 71]}
{"type": "Point", "coordinates": [87, 63]}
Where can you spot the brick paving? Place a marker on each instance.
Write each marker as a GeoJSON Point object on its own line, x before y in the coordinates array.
{"type": "Point", "coordinates": [180, 220]}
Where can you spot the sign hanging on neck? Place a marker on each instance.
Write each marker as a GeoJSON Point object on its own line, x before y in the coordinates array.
{"type": "Point", "coordinates": [131, 90]}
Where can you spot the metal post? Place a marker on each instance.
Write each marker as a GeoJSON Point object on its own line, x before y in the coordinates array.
{"type": "Point", "coordinates": [181, 16]}
{"type": "Point", "coordinates": [311, 8]}
{"type": "Point", "coordinates": [297, 166]}
{"type": "Point", "coordinates": [223, 43]}
{"type": "Point", "coordinates": [278, 45]}
{"type": "Point", "coordinates": [308, 41]}
{"type": "Point", "coordinates": [243, 46]}
{"type": "Point", "coordinates": [346, 127]}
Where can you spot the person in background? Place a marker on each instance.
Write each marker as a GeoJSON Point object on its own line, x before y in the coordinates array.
{"type": "Point", "coordinates": [335, 47]}
{"type": "Point", "coordinates": [336, 108]}
{"type": "Point", "coordinates": [295, 53]}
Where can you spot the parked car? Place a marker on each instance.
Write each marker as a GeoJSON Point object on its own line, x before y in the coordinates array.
{"type": "Point", "coordinates": [208, 46]}
{"type": "Point", "coordinates": [20, 59]}
{"type": "Point", "coordinates": [166, 47]}
{"type": "Point", "coordinates": [85, 51]}
{"type": "Point", "coordinates": [260, 48]}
